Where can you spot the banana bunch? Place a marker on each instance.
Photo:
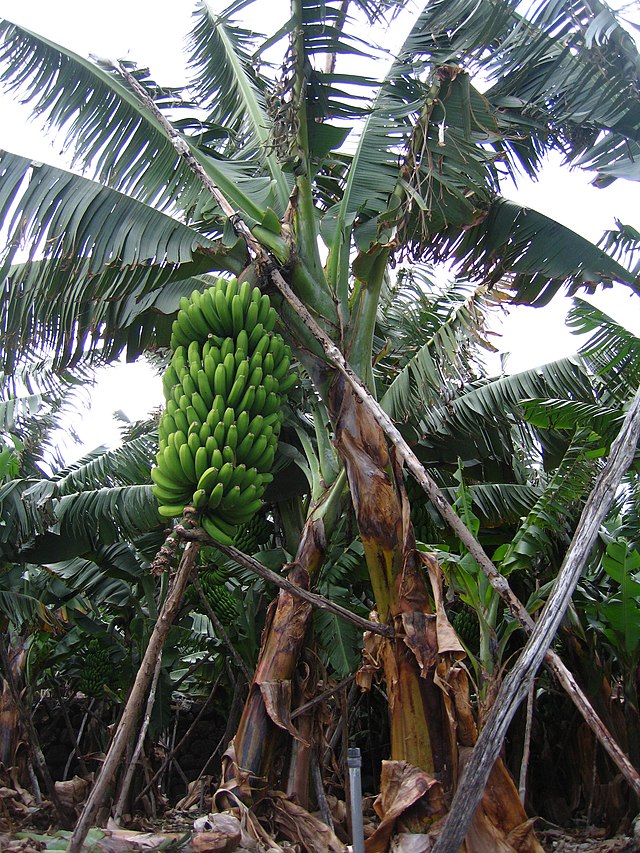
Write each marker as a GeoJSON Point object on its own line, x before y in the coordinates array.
{"type": "Point", "coordinates": [424, 527]}
{"type": "Point", "coordinates": [466, 626]}
{"type": "Point", "coordinates": [221, 600]}
{"type": "Point", "coordinates": [257, 532]}
{"type": "Point", "coordinates": [225, 388]}
{"type": "Point", "coordinates": [96, 669]}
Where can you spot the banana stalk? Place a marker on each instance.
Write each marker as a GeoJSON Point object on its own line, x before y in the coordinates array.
{"type": "Point", "coordinates": [415, 707]}
{"type": "Point", "coordinates": [249, 767]}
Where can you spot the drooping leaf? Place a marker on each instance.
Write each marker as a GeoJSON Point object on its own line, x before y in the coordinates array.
{"type": "Point", "coordinates": [89, 250]}
{"type": "Point", "coordinates": [530, 252]}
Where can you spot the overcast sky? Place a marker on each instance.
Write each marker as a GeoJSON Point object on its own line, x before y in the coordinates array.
{"type": "Point", "coordinates": [152, 33]}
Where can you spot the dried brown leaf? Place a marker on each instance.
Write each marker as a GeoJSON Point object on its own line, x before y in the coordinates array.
{"type": "Point", "coordinates": [303, 828]}
{"type": "Point", "coordinates": [277, 702]}
{"type": "Point", "coordinates": [402, 787]}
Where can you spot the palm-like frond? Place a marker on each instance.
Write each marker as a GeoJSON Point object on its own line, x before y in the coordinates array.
{"type": "Point", "coordinates": [90, 249]}
{"type": "Point", "coordinates": [570, 414]}
{"type": "Point", "coordinates": [451, 319]}
{"type": "Point", "coordinates": [531, 253]}
{"type": "Point", "coordinates": [439, 130]}
{"type": "Point", "coordinates": [127, 465]}
{"type": "Point", "coordinates": [612, 351]}
{"type": "Point", "coordinates": [106, 578]}
{"type": "Point", "coordinates": [498, 400]}
{"type": "Point", "coordinates": [495, 505]}
{"type": "Point", "coordinates": [19, 604]}
{"type": "Point", "coordinates": [103, 110]}
{"type": "Point", "coordinates": [27, 510]}
{"type": "Point", "coordinates": [498, 504]}
{"type": "Point", "coordinates": [233, 93]}
{"type": "Point", "coordinates": [95, 106]}
{"type": "Point", "coordinates": [549, 523]}
{"type": "Point", "coordinates": [567, 71]}
{"type": "Point", "coordinates": [342, 574]}
{"type": "Point", "coordinates": [16, 409]}
{"type": "Point", "coordinates": [106, 515]}
{"type": "Point", "coordinates": [623, 243]}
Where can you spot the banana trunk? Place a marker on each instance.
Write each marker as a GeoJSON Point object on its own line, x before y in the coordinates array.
{"type": "Point", "coordinates": [417, 728]}
{"type": "Point", "coordinates": [254, 761]}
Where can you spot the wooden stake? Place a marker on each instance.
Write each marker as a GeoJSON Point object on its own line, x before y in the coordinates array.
{"type": "Point", "coordinates": [516, 684]}
{"type": "Point", "coordinates": [133, 707]}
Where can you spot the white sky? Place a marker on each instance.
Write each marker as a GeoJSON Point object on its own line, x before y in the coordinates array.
{"type": "Point", "coordinates": [151, 32]}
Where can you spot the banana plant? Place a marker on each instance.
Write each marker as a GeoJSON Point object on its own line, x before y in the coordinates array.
{"type": "Point", "coordinates": [263, 186]}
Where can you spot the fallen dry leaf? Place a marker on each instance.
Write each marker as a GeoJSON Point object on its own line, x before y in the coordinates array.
{"type": "Point", "coordinates": [402, 786]}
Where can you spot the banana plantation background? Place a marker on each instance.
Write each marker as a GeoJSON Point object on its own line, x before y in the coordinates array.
{"type": "Point", "coordinates": [427, 505]}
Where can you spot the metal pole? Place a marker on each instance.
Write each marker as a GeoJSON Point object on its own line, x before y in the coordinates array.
{"type": "Point", "coordinates": [354, 763]}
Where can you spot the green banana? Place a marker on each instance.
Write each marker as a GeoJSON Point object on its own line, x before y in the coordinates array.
{"type": "Point", "coordinates": [193, 442]}
{"type": "Point", "coordinates": [264, 308]}
{"type": "Point", "coordinates": [230, 369]}
{"type": "Point", "coordinates": [181, 421]}
{"type": "Point", "coordinates": [228, 346]}
{"type": "Point", "coordinates": [229, 417]}
{"type": "Point", "coordinates": [239, 384]}
{"type": "Point", "coordinates": [242, 424]}
{"type": "Point", "coordinates": [204, 389]}
{"type": "Point", "coordinates": [229, 288]}
{"type": "Point", "coordinates": [280, 371]}
{"type": "Point", "coordinates": [192, 416]}
{"type": "Point", "coordinates": [186, 327]}
{"type": "Point", "coordinates": [170, 496]}
{"type": "Point", "coordinates": [207, 306]}
{"type": "Point", "coordinates": [260, 399]}
{"type": "Point", "coordinates": [255, 360]}
{"type": "Point", "coordinates": [222, 308]}
{"type": "Point", "coordinates": [178, 337]}
{"type": "Point", "coordinates": [250, 321]}
{"type": "Point", "coordinates": [201, 461]}
{"type": "Point", "coordinates": [200, 406]}
{"type": "Point", "coordinates": [248, 399]}
{"type": "Point", "coordinates": [220, 381]}
{"type": "Point", "coordinates": [259, 446]}
{"type": "Point", "coordinates": [245, 446]}
{"type": "Point", "coordinates": [193, 354]}
{"type": "Point", "coordinates": [238, 476]}
{"type": "Point", "coordinates": [244, 292]}
{"type": "Point", "coordinates": [171, 510]}
{"type": "Point", "coordinates": [208, 479]}
{"type": "Point", "coordinates": [188, 385]}
{"type": "Point", "coordinates": [271, 404]}
{"type": "Point", "coordinates": [219, 433]}
{"type": "Point", "coordinates": [263, 345]}
{"type": "Point", "coordinates": [170, 463]}
{"type": "Point", "coordinates": [197, 320]}
{"type": "Point", "coordinates": [213, 530]}
{"type": "Point", "coordinates": [241, 515]}
{"type": "Point", "coordinates": [215, 496]}
{"type": "Point", "coordinates": [232, 437]}
{"type": "Point", "coordinates": [237, 315]}
{"type": "Point", "coordinates": [256, 335]}
{"type": "Point", "coordinates": [242, 340]}
{"type": "Point", "coordinates": [265, 462]}
{"type": "Point", "coordinates": [287, 383]}
{"type": "Point", "coordinates": [225, 474]}
{"type": "Point", "coordinates": [224, 392]}
{"type": "Point", "coordinates": [187, 463]}
{"type": "Point", "coordinates": [272, 319]}
{"type": "Point", "coordinates": [200, 499]}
